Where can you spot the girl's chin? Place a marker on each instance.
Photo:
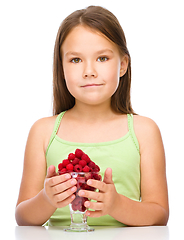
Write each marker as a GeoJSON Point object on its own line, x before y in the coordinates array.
{"type": "Point", "coordinates": [93, 103]}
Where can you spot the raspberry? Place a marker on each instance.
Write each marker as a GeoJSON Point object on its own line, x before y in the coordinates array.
{"type": "Point", "coordinates": [86, 169]}
{"type": "Point", "coordinates": [83, 163]}
{"type": "Point", "coordinates": [80, 182]}
{"type": "Point", "coordinates": [91, 164]}
{"type": "Point", "coordinates": [60, 166]}
{"type": "Point", "coordinates": [96, 176]}
{"type": "Point", "coordinates": [78, 204]}
{"type": "Point", "coordinates": [78, 168]}
{"type": "Point", "coordinates": [78, 153]}
{"type": "Point", "coordinates": [83, 209]}
{"type": "Point", "coordinates": [85, 157]}
{"type": "Point", "coordinates": [75, 161]}
{"type": "Point", "coordinates": [63, 170]}
{"type": "Point", "coordinates": [86, 187]}
{"type": "Point", "coordinates": [65, 162]}
{"type": "Point", "coordinates": [88, 176]}
{"type": "Point", "coordinates": [71, 156]}
{"type": "Point", "coordinates": [95, 170]}
{"type": "Point", "coordinates": [69, 167]}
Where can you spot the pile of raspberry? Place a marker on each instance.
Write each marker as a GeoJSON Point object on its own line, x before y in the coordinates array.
{"type": "Point", "coordinates": [82, 168]}
{"type": "Point", "coordinates": [78, 162]}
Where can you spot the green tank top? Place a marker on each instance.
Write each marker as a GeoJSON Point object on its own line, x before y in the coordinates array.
{"type": "Point", "coordinates": [122, 155]}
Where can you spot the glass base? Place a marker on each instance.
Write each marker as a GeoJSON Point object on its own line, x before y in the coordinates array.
{"type": "Point", "coordinates": [79, 228]}
{"type": "Point", "coordinates": [78, 222]}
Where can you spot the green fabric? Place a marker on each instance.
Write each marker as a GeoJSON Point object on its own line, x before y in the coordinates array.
{"type": "Point", "coordinates": [122, 155]}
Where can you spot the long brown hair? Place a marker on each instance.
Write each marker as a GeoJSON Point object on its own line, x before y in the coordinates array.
{"type": "Point", "coordinates": [101, 20]}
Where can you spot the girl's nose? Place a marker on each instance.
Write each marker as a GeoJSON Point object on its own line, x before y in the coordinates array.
{"type": "Point", "coordinates": [89, 71]}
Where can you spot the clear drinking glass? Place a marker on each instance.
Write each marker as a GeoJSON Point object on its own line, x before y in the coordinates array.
{"type": "Point", "coordinates": [77, 208]}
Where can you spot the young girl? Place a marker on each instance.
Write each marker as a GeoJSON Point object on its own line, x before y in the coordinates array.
{"type": "Point", "coordinates": [92, 111]}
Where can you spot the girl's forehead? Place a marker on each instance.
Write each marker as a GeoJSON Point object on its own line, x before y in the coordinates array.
{"type": "Point", "coordinates": [83, 38]}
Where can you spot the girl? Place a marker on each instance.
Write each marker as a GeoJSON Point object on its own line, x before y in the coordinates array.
{"type": "Point", "coordinates": [92, 111]}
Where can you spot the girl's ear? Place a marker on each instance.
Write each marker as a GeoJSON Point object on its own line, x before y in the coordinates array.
{"type": "Point", "coordinates": [124, 65]}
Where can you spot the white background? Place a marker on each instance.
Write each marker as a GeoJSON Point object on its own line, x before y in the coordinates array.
{"type": "Point", "coordinates": [155, 38]}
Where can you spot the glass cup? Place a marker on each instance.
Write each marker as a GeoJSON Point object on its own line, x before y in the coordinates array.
{"type": "Point", "coordinates": [77, 208]}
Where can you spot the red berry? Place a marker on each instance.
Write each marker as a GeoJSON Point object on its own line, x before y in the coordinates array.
{"type": "Point", "coordinates": [65, 162]}
{"type": "Point", "coordinates": [63, 170]}
{"type": "Point", "coordinates": [83, 208]}
{"type": "Point", "coordinates": [96, 176]}
{"type": "Point", "coordinates": [91, 164]}
{"type": "Point", "coordinates": [80, 182]}
{"type": "Point", "coordinates": [83, 163]}
{"type": "Point", "coordinates": [71, 156]}
{"type": "Point", "coordinates": [96, 168]}
{"type": "Point", "coordinates": [75, 161]}
{"type": "Point", "coordinates": [85, 157]}
{"type": "Point", "coordinates": [69, 167]}
{"type": "Point", "coordinates": [80, 179]}
{"type": "Point", "coordinates": [86, 169]}
{"type": "Point", "coordinates": [76, 203]}
{"type": "Point", "coordinates": [60, 166]}
{"type": "Point", "coordinates": [88, 175]}
{"type": "Point", "coordinates": [78, 153]}
{"type": "Point", "coordinates": [78, 168]}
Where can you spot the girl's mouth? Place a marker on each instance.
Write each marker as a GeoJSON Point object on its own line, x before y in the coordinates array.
{"type": "Point", "coordinates": [92, 85]}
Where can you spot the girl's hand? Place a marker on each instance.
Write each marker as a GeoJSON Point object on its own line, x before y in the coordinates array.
{"type": "Point", "coordinates": [59, 190]}
{"type": "Point", "coordinates": [106, 197]}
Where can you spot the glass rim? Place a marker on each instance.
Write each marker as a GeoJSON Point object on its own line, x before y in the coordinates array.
{"type": "Point", "coordinates": [78, 172]}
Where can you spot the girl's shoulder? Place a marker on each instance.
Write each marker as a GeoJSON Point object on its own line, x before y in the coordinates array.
{"type": "Point", "coordinates": [146, 130]}
{"type": "Point", "coordinates": [42, 129]}
{"type": "Point", "coordinates": [46, 124]}
{"type": "Point", "coordinates": [142, 123]}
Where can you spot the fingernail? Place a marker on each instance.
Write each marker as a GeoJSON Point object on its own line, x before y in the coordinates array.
{"type": "Point", "coordinates": [67, 176]}
{"type": "Point", "coordinates": [73, 181]}
{"type": "Point", "coordinates": [81, 193]}
{"type": "Point", "coordinates": [89, 182]}
{"type": "Point", "coordinates": [72, 197]}
{"type": "Point", "coordinates": [87, 204]}
{"type": "Point", "coordinates": [87, 213]}
{"type": "Point", "coordinates": [73, 189]}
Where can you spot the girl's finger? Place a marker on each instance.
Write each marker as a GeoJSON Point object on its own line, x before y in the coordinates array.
{"type": "Point", "coordinates": [51, 172]}
{"type": "Point", "coordinates": [97, 196]}
{"type": "Point", "coordinates": [58, 179]}
{"type": "Point", "coordinates": [64, 186]}
{"type": "Point", "coordinates": [66, 201]}
{"type": "Point", "coordinates": [97, 206]}
{"type": "Point", "coordinates": [64, 195]}
{"type": "Point", "coordinates": [94, 214]}
{"type": "Point", "coordinates": [97, 184]}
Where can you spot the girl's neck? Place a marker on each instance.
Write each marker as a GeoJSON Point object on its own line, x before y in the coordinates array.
{"type": "Point", "coordinates": [92, 113]}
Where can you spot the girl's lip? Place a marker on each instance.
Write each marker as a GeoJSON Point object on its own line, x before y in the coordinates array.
{"type": "Point", "coordinates": [92, 85]}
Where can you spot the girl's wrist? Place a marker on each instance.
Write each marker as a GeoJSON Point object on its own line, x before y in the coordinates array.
{"type": "Point", "coordinates": [116, 206]}
{"type": "Point", "coordinates": [47, 200]}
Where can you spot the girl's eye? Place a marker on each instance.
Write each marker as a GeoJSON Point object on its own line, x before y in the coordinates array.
{"type": "Point", "coordinates": [76, 60]}
{"type": "Point", "coordinates": [102, 59]}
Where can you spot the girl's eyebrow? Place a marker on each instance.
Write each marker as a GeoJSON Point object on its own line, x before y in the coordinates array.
{"type": "Point", "coordinates": [98, 52]}
{"type": "Point", "coordinates": [105, 50]}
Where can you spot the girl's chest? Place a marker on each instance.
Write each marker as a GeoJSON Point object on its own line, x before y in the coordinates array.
{"type": "Point", "coordinates": [92, 133]}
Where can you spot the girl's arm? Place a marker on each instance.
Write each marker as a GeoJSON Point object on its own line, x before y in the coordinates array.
{"type": "Point", "coordinates": [39, 197]}
{"type": "Point", "coordinates": [153, 208]}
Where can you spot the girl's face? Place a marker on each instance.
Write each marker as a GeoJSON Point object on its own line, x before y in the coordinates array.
{"type": "Point", "coordinates": [92, 66]}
